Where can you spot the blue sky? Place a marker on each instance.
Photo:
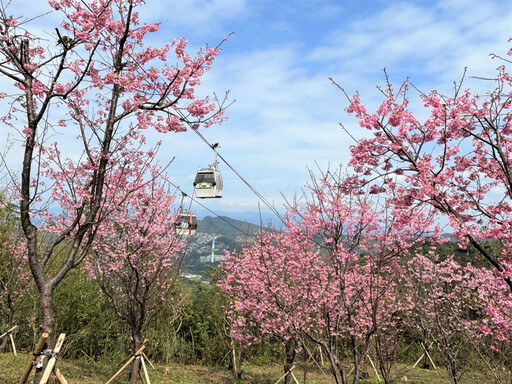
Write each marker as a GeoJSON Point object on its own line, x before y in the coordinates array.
{"type": "Point", "coordinates": [277, 64]}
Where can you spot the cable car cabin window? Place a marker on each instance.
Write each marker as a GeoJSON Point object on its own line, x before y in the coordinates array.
{"type": "Point", "coordinates": [206, 177]}
{"type": "Point", "coordinates": [186, 224]}
{"type": "Point", "coordinates": [187, 219]}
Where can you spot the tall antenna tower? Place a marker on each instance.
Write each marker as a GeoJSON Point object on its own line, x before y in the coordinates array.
{"type": "Point", "coordinates": [213, 250]}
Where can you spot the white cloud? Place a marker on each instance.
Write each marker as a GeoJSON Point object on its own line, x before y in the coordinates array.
{"type": "Point", "coordinates": [195, 16]}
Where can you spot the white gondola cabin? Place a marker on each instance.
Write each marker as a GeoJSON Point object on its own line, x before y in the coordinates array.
{"type": "Point", "coordinates": [208, 181]}
{"type": "Point", "coordinates": [186, 223]}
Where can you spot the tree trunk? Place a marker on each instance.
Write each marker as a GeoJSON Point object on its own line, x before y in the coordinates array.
{"type": "Point", "coordinates": [47, 315]}
{"type": "Point", "coordinates": [337, 370]}
{"type": "Point", "coordinates": [5, 339]}
{"type": "Point", "coordinates": [9, 326]}
{"type": "Point", "coordinates": [426, 362]}
{"type": "Point", "coordinates": [451, 366]}
{"type": "Point", "coordinates": [4, 343]}
{"type": "Point", "coordinates": [47, 323]}
{"type": "Point", "coordinates": [138, 340]}
{"type": "Point", "coordinates": [290, 346]}
{"type": "Point", "coordinates": [357, 365]}
{"type": "Point", "coordinates": [359, 351]}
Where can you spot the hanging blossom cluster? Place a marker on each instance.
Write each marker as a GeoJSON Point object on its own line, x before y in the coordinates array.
{"type": "Point", "coordinates": [458, 159]}
{"type": "Point", "coordinates": [102, 48]}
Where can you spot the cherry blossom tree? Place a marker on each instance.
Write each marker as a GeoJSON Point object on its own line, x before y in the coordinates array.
{"type": "Point", "coordinates": [363, 239]}
{"type": "Point", "coordinates": [441, 303]}
{"type": "Point", "coordinates": [93, 77]}
{"type": "Point", "coordinates": [271, 288]}
{"type": "Point", "coordinates": [136, 256]}
{"type": "Point", "coordinates": [331, 277]}
{"type": "Point", "coordinates": [456, 160]}
{"type": "Point", "coordinates": [453, 305]}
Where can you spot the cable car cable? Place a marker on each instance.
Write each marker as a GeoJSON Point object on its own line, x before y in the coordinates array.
{"type": "Point", "coordinates": [259, 195]}
{"type": "Point", "coordinates": [252, 188]}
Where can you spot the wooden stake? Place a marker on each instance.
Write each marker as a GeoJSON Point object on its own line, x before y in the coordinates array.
{"type": "Point", "coordinates": [423, 354]}
{"type": "Point", "coordinates": [421, 357]}
{"type": "Point", "coordinates": [287, 373]}
{"type": "Point", "coordinates": [149, 361]}
{"type": "Point", "coordinates": [13, 345]}
{"type": "Point", "coordinates": [8, 331]}
{"type": "Point", "coordinates": [373, 365]}
{"type": "Point", "coordinates": [126, 364]}
{"type": "Point", "coordinates": [140, 377]}
{"type": "Point", "coordinates": [321, 355]}
{"type": "Point", "coordinates": [428, 355]}
{"type": "Point", "coordinates": [51, 363]}
{"type": "Point", "coordinates": [60, 376]}
{"type": "Point", "coordinates": [144, 369]}
{"type": "Point", "coordinates": [235, 370]}
{"type": "Point", "coordinates": [31, 356]}
{"type": "Point", "coordinates": [294, 378]}
{"type": "Point", "coordinates": [316, 363]}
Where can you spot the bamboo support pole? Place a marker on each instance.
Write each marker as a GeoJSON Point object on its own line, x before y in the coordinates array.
{"type": "Point", "coordinates": [60, 376]}
{"type": "Point", "coordinates": [321, 355]}
{"type": "Point", "coordinates": [145, 369]}
{"type": "Point", "coordinates": [126, 364]}
{"type": "Point", "coordinates": [294, 378]}
{"type": "Point", "coordinates": [235, 369]}
{"type": "Point", "coordinates": [31, 356]}
{"type": "Point", "coordinates": [51, 363]}
{"type": "Point", "coordinates": [13, 345]}
{"type": "Point", "coordinates": [417, 362]}
{"type": "Point", "coordinates": [373, 366]}
{"type": "Point", "coordinates": [286, 374]}
{"type": "Point", "coordinates": [140, 377]}
{"type": "Point", "coordinates": [311, 356]}
{"type": "Point", "coordinates": [224, 358]}
{"type": "Point", "coordinates": [149, 361]}
{"type": "Point", "coordinates": [423, 354]}
{"type": "Point", "coordinates": [8, 331]}
{"type": "Point", "coordinates": [428, 355]}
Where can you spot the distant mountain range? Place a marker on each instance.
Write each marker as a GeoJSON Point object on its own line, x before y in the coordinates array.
{"type": "Point", "coordinates": [223, 225]}
{"type": "Point", "coordinates": [251, 217]}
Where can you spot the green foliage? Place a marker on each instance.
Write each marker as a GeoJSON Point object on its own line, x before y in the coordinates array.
{"type": "Point", "coordinates": [82, 312]}
{"type": "Point", "coordinates": [462, 255]}
{"type": "Point", "coordinates": [194, 331]}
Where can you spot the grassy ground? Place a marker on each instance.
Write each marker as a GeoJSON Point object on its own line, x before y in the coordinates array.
{"type": "Point", "coordinates": [87, 372]}
{"type": "Point", "coordinates": [82, 372]}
